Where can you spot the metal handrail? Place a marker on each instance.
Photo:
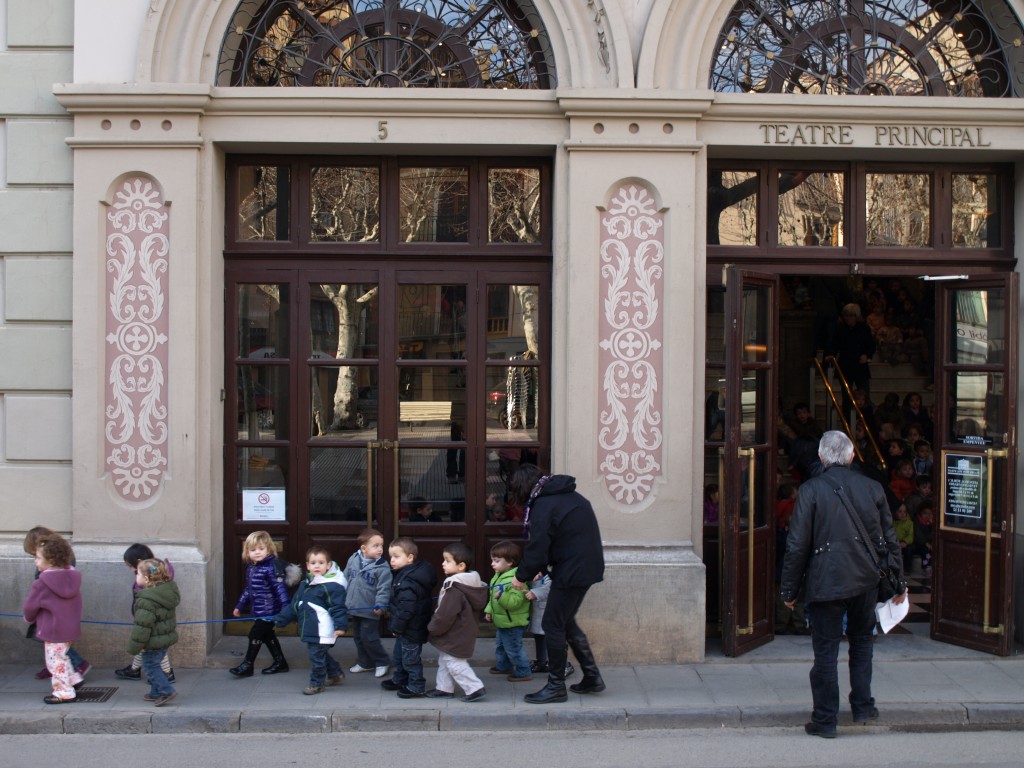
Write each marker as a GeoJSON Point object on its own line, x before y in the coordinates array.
{"type": "Point", "coordinates": [860, 414]}
{"type": "Point", "coordinates": [842, 417]}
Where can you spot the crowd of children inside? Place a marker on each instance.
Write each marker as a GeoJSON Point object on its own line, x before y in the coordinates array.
{"type": "Point", "coordinates": [903, 429]}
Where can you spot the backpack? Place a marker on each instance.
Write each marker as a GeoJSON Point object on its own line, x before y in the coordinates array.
{"type": "Point", "coordinates": [289, 572]}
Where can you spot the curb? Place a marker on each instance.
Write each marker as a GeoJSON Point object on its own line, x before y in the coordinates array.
{"type": "Point", "coordinates": [917, 717]}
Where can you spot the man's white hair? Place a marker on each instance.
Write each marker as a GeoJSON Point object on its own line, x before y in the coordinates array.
{"type": "Point", "coordinates": [835, 448]}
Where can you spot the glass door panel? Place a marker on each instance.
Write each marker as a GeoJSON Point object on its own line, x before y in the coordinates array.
{"type": "Point", "coordinates": [364, 396]}
{"type": "Point", "coordinates": [344, 402]}
{"type": "Point", "coordinates": [973, 542]}
{"type": "Point", "coordinates": [425, 481]}
{"type": "Point", "coordinates": [341, 485]}
{"type": "Point", "coordinates": [263, 467]}
{"type": "Point", "coordinates": [431, 322]}
{"type": "Point", "coordinates": [435, 407]}
{"type": "Point", "coordinates": [262, 398]}
{"type": "Point", "coordinates": [747, 491]}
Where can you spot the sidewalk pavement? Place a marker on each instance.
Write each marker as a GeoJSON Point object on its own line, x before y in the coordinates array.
{"type": "Point", "coordinates": [918, 685]}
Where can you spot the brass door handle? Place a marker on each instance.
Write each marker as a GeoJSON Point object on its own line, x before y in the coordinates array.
{"type": "Point", "coordinates": [749, 453]}
{"type": "Point", "coordinates": [990, 456]}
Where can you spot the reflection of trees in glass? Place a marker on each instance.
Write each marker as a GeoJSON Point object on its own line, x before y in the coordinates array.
{"type": "Point", "coordinates": [811, 212]}
{"type": "Point", "coordinates": [433, 205]}
{"type": "Point", "coordinates": [529, 301]}
{"type": "Point", "coordinates": [899, 209]}
{"type": "Point", "coordinates": [263, 203]}
{"type": "Point", "coordinates": [349, 302]}
{"type": "Point", "coordinates": [386, 43]}
{"type": "Point", "coordinates": [513, 205]}
{"type": "Point", "coordinates": [261, 323]}
{"type": "Point", "coordinates": [975, 211]}
{"type": "Point", "coordinates": [733, 204]}
{"type": "Point", "coordinates": [869, 47]}
{"type": "Point", "coordinates": [732, 207]}
{"type": "Point", "coordinates": [345, 204]}
{"type": "Point", "coordinates": [522, 382]}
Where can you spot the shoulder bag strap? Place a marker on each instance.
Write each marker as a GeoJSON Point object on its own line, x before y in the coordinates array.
{"type": "Point", "coordinates": [872, 553]}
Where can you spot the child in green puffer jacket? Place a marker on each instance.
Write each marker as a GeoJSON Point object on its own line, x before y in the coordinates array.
{"type": "Point", "coordinates": [509, 611]}
{"type": "Point", "coordinates": [155, 621]}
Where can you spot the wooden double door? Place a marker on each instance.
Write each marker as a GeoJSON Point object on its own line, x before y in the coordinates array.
{"type": "Point", "coordinates": [384, 395]}
{"type": "Point", "coordinates": [975, 447]}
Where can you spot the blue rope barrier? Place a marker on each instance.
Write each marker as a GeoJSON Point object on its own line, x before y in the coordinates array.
{"type": "Point", "coordinates": [181, 623]}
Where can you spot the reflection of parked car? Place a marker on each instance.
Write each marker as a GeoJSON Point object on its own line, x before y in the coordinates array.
{"type": "Point", "coordinates": [262, 399]}
{"type": "Point", "coordinates": [497, 405]}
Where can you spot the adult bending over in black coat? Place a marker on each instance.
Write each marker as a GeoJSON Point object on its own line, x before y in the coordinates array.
{"type": "Point", "coordinates": [565, 541]}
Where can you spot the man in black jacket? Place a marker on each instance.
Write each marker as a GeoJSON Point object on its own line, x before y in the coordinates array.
{"type": "Point", "coordinates": [840, 573]}
{"type": "Point", "coordinates": [565, 541]}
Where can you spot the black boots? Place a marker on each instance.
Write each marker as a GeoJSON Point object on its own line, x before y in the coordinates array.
{"type": "Point", "coordinates": [588, 685]}
{"type": "Point", "coordinates": [591, 682]}
{"type": "Point", "coordinates": [551, 693]}
{"type": "Point", "coordinates": [245, 668]}
{"type": "Point", "coordinates": [554, 692]}
{"type": "Point", "coordinates": [279, 665]}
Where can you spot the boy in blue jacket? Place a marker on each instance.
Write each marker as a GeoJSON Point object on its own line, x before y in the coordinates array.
{"type": "Point", "coordinates": [319, 610]}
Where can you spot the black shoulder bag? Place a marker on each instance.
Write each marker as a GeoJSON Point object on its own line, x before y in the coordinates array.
{"type": "Point", "coordinates": [888, 577]}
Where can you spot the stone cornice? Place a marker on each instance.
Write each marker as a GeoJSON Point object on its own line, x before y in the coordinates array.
{"type": "Point", "coordinates": [618, 102]}
{"type": "Point", "coordinates": [171, 98]}
{"type": "Point", "coordinates": [164, 98]}
{"type": "Point", "coordinates": [298, 102]}
{"type": "Point", "coordinates": [864, 109]}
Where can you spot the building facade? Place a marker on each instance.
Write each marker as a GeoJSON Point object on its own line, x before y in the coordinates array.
{"type": "Point", "coordinates": [308, 266]}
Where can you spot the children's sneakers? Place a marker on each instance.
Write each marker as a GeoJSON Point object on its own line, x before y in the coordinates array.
{"type": "Point", "coordinates": [381, 671]}
{"type": "Point", "coordinates": [355, 669]}
{"type": "Point", "coordinates": [132, 673]}
{"type": "Point", "coordinates": [161, 700]}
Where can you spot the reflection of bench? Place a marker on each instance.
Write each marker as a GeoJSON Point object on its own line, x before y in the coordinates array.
{"type": "Point", "coordinates": [413, 411]}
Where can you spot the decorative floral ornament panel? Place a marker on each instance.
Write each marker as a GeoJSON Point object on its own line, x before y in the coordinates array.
{"type": "Point", "coordinates": [630, 358]}
{"type": "Point", "coordinates": [137, 250]}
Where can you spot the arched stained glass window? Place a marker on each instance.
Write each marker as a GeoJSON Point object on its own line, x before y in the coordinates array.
{"type": "Point", "coordinates": [387, 43]}
{"type": "Point", "coordinates": [871, 47]}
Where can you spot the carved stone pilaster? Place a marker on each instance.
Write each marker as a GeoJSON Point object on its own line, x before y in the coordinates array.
{"type": "Point", "coordinates": [137, 250]}
{"type": "Point", "coordinates": [630, 360]}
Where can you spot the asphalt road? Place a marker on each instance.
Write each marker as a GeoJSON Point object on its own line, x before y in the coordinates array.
{"type": "Point", "coordinates": [728, 748]}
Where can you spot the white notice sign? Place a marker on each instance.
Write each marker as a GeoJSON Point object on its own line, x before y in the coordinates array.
{"type": "Point", "coordinates": [263, 504]}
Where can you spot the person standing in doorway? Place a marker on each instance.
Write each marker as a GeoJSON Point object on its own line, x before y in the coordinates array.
{"type": "Point", "coordinates": [826, 551]}
{"type": "Point", "coordinates": [563, 540]}
{"type": "Point", "coordinates": [854, 346]}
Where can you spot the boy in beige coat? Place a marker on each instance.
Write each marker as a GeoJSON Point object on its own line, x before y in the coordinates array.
{"type": "Point", "coordinates": [454, 624]}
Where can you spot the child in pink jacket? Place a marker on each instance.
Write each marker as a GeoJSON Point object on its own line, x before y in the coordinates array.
{"type": "Point", "coordinates": [54, 603]}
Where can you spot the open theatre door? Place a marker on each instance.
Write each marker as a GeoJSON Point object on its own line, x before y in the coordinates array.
{"type": "Point", "coordinates": [747, 494]}
{"type": "Point", "coordinates": [975, 461]}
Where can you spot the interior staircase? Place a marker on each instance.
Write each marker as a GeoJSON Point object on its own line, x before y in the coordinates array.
{"type": "Point", "coordinates": [900, 378]}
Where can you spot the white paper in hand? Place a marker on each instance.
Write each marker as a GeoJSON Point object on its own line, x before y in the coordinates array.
{"type": "Point", "coordinates": [889, 614]}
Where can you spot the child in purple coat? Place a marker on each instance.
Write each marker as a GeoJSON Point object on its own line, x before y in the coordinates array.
{"type": "Point", "coordinates": [54, 604]}
{"type": "Point", "coordinates": [264, 596]}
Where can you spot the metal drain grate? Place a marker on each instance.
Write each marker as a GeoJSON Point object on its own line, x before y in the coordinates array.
{"type": "Point", "coordinates": [95, 695]}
